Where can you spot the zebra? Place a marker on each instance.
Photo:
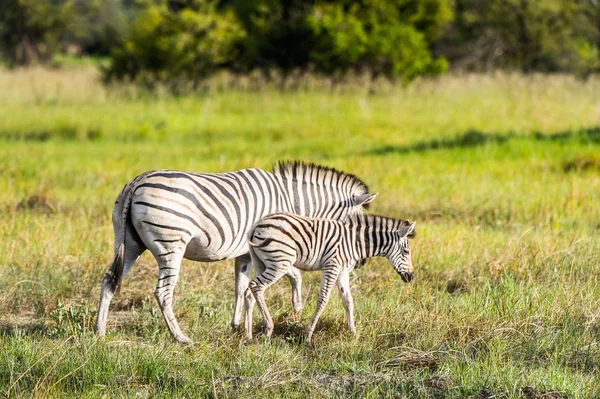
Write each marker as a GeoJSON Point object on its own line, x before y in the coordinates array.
{"type": "Point", "coordinates": [282, 241]}
{"type": "Point", "coordinates": [205, 217]}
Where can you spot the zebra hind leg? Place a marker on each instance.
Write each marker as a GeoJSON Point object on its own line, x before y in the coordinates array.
{"type": "Point", "coordinates": [261, 282]}
{"type": "Point", "coordinates": [133, 250]}
{"type": "Point", "coordinates": [295, 278]}
{"type": "Point", "coordinates": [249, 300]}
{"type": "Point", "coordinates": [169, 264]}
{"type": "Point", "coordinates": [243, 267]}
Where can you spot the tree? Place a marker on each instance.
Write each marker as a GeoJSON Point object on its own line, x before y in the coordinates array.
{"type": "Point", "coordinates": [541, 35]}
{"type": "Point", "coordinates": [384, 37]}
{"type": "Point", "coordinates": [31, 30]}
{"type": "Point", "coordinates": [98, 26]}
{"type": "Point", "coordinates": [388, 37]}
{"type": "Point", "coordinates": [175, 44]}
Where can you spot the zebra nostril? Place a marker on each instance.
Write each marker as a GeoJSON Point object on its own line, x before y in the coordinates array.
{"type": "Point", "coordinates": [406, 277]}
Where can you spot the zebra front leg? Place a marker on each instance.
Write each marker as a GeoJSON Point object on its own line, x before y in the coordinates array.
{"type": "Point", "coordinates": [295, 278]}
{"type": "Point", "coordinates": [243, 267]}
{"type": "Point", "coordinates": [259, 284]}
{"type": "Point", "coordinates": [343, 283]}
{"type": "Point", "coordinates": [167, 278]}
{"type": "Point", "coordinates": [249, 302]}
{"type": "Point", "coordinates": [330, 275]}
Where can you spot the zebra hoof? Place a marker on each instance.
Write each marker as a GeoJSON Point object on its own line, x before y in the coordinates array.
{"type": "Point", "coordinates": [296, 316]}
{"type": "Point", "coordinates": [297, 307]}
{"type": "Point", "coordinates": [268, 330]}
{"type": "Point", "coordinates": [308, 337]}
{"type": "Point", "coordinates": [184, 340]}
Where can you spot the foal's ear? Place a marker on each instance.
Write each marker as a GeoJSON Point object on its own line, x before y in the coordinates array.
{"type": "Point", "coordinates": [410, 230]}
{"type": "Point", "coordinates": [363, 199]}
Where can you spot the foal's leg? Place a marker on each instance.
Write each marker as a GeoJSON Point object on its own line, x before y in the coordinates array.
{"type": "Point", "coordinates": [330, 275]}
{"type": "Point", "coordinates": [249, 301]}
{"type": "Point", "coordinates": [295, 278]}
{"type": "Point", "coordinates": [243, 266]}
{"type": "Point", "coordinates": [271, 274]}
{"type": "Point", "coordinates": [343, 283]}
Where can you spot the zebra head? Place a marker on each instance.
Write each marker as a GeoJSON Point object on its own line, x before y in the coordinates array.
{"type": "Point", "coordinates": [399, 254]}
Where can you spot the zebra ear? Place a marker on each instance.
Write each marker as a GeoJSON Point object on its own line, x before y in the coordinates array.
{"type": "Point", "coordinates": [363, 199]}
{"type": "Point", "coordinates": [410, 230]}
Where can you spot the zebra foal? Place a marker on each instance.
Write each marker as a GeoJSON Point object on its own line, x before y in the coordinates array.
{"type": "Point", "coordinates": [282, 241]}
{"type": "Point", "coordinates": [205, 217]}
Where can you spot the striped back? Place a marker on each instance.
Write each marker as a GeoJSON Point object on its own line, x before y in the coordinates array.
{"type": "Point", "coordinates": [217, 209]}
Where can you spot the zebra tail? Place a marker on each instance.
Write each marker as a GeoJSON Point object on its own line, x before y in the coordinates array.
{"type": "Point", "coordinates": [115, 272]}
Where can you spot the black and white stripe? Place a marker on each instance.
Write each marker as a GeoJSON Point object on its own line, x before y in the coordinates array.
{"type": "Point", "coordinates": [205, 217]}
{"type": "Point", "coordinates": [282, 241]}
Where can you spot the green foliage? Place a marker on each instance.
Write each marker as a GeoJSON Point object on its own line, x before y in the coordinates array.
{"type": "Point", "coordinates": [383, 37]}
{"type": "Point", "coordinates": [31, 30]}
{"type": "Point", "coordinates": [547, 35]}
{"type": "Point", "coordinates": [171, 46]}
{"type": "Point", "coordinates": [378, 36]}
{"type": "Point", "coordinates": [70, 321]}
{"type": "Point", "coordinates": [190, 40]}
{"type": "Point", "coordinates": [277, 34]}
{"type": "Point", "coordinates": [181, 42]}
{"type": "Point", "coordinates": [341, 39]}
{"type": "Point", "coordinates": [98, 26]}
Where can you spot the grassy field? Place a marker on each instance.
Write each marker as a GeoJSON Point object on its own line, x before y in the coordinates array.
{"type": "Point", "coordinates": [501, 173]}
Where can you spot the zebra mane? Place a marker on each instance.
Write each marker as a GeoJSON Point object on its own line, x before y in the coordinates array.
{"type": "Point", "coordinates": [386, 223]}
{"type": "Point", "coordinates": [312, 173]}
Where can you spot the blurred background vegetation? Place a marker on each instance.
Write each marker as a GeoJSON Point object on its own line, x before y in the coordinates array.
{"type": "Point", "coordinates": [176, 41]}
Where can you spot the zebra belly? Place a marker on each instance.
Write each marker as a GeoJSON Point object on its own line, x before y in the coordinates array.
{"type": "Point", "coordinates": [197, 250]}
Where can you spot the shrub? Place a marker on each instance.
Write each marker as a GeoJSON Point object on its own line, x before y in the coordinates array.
{"type": "Point", "coordinates": [190, 40]}
{"type": "Point", "coordinates": [171, 46]}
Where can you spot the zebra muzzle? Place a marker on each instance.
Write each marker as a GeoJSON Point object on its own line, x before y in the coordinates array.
{"type": "Point", "coordinates": [406, 277]}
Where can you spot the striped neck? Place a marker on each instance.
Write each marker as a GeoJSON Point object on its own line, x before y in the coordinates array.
{"type": "Point", "coordinates": [376, 235]}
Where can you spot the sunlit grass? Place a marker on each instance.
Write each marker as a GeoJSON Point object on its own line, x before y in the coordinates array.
{"type": "Point", "coordinates": [500, 172]}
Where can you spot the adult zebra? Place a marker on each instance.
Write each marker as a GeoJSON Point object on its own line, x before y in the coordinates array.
{"type": "Point", "coordinates": [205, 217]}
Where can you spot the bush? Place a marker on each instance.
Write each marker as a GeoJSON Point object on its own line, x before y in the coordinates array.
{"type": "Point", "coordinates": [98, 26]}
{"type": "Point", "coordinates": [190, 41]}
{"type": "Point", "coordinates": [379, 36]}
{"type": "Point", "coordinates": [382, 37]}
{"type": "Point", "coordinates": [175, 46]}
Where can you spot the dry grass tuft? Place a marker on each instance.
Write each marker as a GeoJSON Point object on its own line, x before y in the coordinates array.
{"type": "Point", "coordinates": [37, 202]}
{"type": "Point", "coordinates": [411, 359]}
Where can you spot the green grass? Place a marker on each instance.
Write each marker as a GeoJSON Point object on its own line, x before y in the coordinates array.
{"type": "Point", "coordinates": [500, 172]}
